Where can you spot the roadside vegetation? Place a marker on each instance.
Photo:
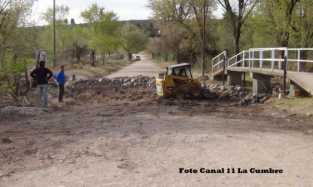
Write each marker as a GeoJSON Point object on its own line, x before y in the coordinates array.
{"type": "Point", "coordinates": [102, 41]}
{"type": "Point", "coordinates": [295, 106]}
{"type": "Point", "coordinates": [191, 30]}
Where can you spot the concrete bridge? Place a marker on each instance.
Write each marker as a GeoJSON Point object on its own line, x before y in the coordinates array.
{"type": "Point", "coordinates": [294, 65]}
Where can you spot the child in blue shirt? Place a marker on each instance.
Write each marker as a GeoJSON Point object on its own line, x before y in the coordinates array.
{"type": "Point", "coordinates": [60, 78]}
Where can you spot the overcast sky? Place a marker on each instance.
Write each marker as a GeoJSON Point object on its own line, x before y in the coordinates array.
{"type": "Point", "coordinates": [125, 9]}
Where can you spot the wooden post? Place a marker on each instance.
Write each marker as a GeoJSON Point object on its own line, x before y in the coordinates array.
{"type": "Point", "coordinates": [224, 71]}
{"type": "Point", "coordinates": [204, 37]}
{"type": "Point", "coordinates": [285, 66]}
{"type": "Point", "coordinates": [243, 59]}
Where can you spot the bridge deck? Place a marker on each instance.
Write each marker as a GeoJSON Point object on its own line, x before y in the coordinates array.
{"type": "Point", "coordinates": [302, 79]}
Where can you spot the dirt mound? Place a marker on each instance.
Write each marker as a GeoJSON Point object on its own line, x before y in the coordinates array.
{"type": "Point", "coordinates": [130, 88]}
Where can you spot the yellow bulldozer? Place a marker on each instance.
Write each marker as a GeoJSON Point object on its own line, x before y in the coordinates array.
{"type": "Point", "coordinates": [178, 81]}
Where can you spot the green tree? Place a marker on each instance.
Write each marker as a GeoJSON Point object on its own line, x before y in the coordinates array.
{"type": "Point", "coordinates": [93, 14]}
{"type": "Point", "coordinates": [63, 31]}
{"type": "Point", "coordinates": [104, 30]}
{"type": "Point", "coordinates": [302, 26]}
{"type": "Point", "coordinates": [12, 15]}
{"type": "Point", "coordinates": [61, 12]}
{"type": "Point", "coordinates": [192, 19]}
{"type": "Point", "coordinates": [71, 39]}
{"type": "Point", "coordinates": [16, 46]}
{"type": "Point", "coordinates": [278, 19]}
{"type": "Point", "coordinates": [134, 40]}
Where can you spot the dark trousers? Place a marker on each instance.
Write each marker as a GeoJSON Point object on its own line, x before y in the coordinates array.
{"type": "Point", "coordinates": [61, 93]}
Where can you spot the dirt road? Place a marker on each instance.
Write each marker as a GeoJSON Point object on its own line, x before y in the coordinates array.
{"type": "Point", "coordinates": [145, 67]}
{"type": "Point", "coordinates": [145, 143]}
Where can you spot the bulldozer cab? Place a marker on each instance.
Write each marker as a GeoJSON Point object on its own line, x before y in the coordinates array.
{"type": "Point", "coordinates": [180, 71]}
{"type": "Point", "coordinates": [177, 81]}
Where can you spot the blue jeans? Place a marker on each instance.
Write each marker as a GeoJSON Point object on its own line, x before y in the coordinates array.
{"type": "Point", "coordinates": [43, 92]}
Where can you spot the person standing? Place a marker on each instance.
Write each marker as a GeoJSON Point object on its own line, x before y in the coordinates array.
{"type": "Point", "coordinates": [42, 75]}
{"type": "Point", "coordinates": [60, 78]}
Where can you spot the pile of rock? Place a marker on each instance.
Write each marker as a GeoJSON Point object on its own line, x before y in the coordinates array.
{"type": "Point", "coordinates": [133, 82]}
{"type": "Point", "coordinates": [121, 83]}
{"type": "Point", "coordinates": [117, 87]}
{"type": "Point", "coordinates": [227, 93]}
{"type": "Point", "coordinates": [141, 87]}
{"type": "Point", "coordinates": [237, 94]}
{"type": "Point", "coordinates": [250, 99]}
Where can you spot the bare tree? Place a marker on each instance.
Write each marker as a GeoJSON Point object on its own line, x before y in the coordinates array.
{"type": "Point", "coordinates": [191, 18]}
{"type": "Point", "coordinates": [201, 10]}
{"type": "Point", "coordinates": [237, 12]}
{"type": "Point", "coordinates": [173, 18]}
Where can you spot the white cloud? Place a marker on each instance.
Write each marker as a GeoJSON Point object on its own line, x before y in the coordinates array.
{"type": "Point", "coordinates": [125, 9]}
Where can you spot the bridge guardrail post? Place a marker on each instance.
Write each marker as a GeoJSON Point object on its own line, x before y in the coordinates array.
{"type": "Point", "coordinates": [243, 59]}
{"type": "Point", "coordinates": [226, 64]}
{"type": "Point", "coordinates": [249, 58]}
{"type": "Point", "coordinates": [273, 58]}
{"type": "Point", "coordinates": [252, 65]}
{"type": "Point", "coordinates": [261, 58]}
{"type": "Point", "coordinates": [286, 60]}
{"type": "Point", "coordinates": [224, 70]}
{"type": "Point", "coordinates": [298, 59]}
{"type": "Point", "coordinates": [280, 62]}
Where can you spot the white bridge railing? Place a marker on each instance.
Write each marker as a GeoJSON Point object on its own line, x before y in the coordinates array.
{"type": "Point", "coordinates": [297, 59]}
{"type": "Point", "coordinates": [218, 62]}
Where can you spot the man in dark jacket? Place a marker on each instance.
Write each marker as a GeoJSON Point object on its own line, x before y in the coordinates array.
{"type": "Point", "coordinates": [42, 76]}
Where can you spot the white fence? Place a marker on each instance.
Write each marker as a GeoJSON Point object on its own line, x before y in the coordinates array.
{"type": "Point", "coordinates": [297, 59]}
{"type": "Point", "coordinates": [218, 62]}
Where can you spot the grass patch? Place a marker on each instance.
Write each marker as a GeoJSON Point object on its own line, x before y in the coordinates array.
{"type": "Point", "coordinates": [302, 106]}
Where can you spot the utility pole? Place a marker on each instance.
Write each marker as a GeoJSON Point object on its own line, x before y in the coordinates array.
{"type": "Point", "coordinates": [204, 37]}
{"type": "Point", "coordinates": [54, 35]}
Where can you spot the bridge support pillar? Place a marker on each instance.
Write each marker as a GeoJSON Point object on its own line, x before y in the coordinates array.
{"type": "Point", "coordinates": [261, 84]}
{"type": "Point", "coordinates": [234, 78]}
{"type": "Point", "coordinates": [296, 91]}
